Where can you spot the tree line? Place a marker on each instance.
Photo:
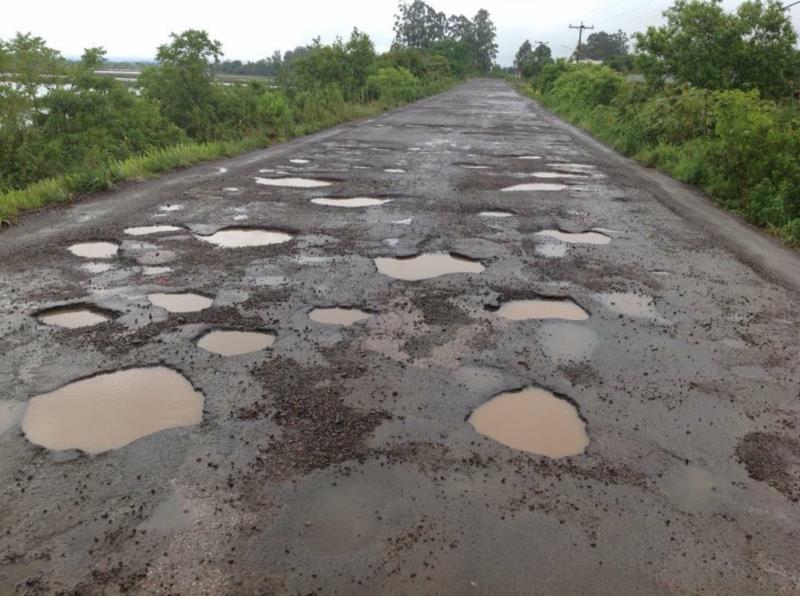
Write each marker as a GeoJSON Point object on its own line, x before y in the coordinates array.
{"type": "Point", "coordinates": [716, 107]}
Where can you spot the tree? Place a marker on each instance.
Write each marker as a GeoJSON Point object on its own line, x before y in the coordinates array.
{"type": "Point", "coordinates": [418, 25]}
{"type": "Point", "coordinates": [704, 46]}
{"type": "Point", "coordinates": [485, 46]}
{"type": "Point", "coordinates": [605, 46]}
{"type": "Point", "coordinates": [33, 64]}
{"type": "Point", "coordinates": [529, 62]}
{"type": "Point", "coordinates": [182, 84]}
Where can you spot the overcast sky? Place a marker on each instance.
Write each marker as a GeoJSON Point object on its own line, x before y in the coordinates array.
{"type": "Point", "coordinates": [251, 30]}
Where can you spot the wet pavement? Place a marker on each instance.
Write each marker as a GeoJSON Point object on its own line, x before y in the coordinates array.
{"type": "Point", "coordinates": [343, 458]}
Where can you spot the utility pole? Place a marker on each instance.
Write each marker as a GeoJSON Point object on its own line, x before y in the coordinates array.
{"type": "Point", "coordinates": [580, 29]}
{"type": "Point", "coordinates": [788, 6]}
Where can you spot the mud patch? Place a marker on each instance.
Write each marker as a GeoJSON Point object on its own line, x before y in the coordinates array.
{"type": "Point", "coordinates": [293, 182]}
{"type": "Point", "coordinates": [245, 237]}
{"type": "Point", "coordinates": [426, 266]}
{"type": "Point", "coordinates": [353, 202]}
{"type": "Point", "coordinates": [235, 343]}
{"type": "Point", "coordinates": [111, 410]}
{"type": "Point", "coordinates": [551, 250]}
{"type": "Point", "coordinates": [146, 230]}
{"type": "Point", "coordinates": [576, 237]}
{"type": "Point", "coordinates": [532, 420]}
{"type": "Point", "coordinates": [72, 316]}
{"type": "Point", "coordinates": [338, 316]}
{"type": "Point", "coordinates": [180, 302]}
{"type": "Point", "coordinates": [772, 459]}
{"type": "Point", "coordinates": [541, 308]}
{"type": "Point", "coordinates": [94, 250]}
{"type": "Point", "coordinates": [535, 186]}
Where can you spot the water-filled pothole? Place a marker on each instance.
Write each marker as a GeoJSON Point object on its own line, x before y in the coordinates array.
{"type": "Point", "coordinates": [535, 186]}
{"type": "Point", "coordinates": [299, 161]}
{"type": "Point", "coordinates": [245, 237]}
{"type": "Point", "coordinates": [94, 250]}
{"type": "Point", "coordinates": [541, 308]}
{"type": "Point", "coordinates": [182, 302]}
{"type": "Point", "coordinates": [496, 214]}
{"type": "Point", "coordinates": [394, 171]}
{"type": "Point", "coordinates": [628, 303]}
{"type": "Point", "coordinates": [352, 202]}
{"type": "Point", "coordinates": [96, 267]}
{"type": "Point", "coordinates": [426, 266]}
{"type": "Point", "coordinates": [293, 182]}
{"type": "Point", "coordinates": [559, 175]}
{"type": "Point", "coordinates": [338, 316]}
{"type": "Point", "coordinates": [472, 166]}
{"type": "Point", "coordinates": [551, 250]}
{"type": "Point", "coordinates": [576, 237]}
{"type": "Point", "coordinates": [529, 157]}
{"type": "Point", "coordinates": [145, 230]}
{"type": "Point", "coordinates": [532, 420]}
{"type": "Point", "coordinates": [111, 410]}
{"type": "Point", "coordinates": [72, 316]}
{"type": "Point", "coordinates": [234, 343]}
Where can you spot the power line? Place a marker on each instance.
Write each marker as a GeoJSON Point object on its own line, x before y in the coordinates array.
{"type": "Point", "coordinates": [580, 29]}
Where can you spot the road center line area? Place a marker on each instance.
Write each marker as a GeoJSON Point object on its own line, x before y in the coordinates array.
{"type": "Point", "coordinates": [173, 418]}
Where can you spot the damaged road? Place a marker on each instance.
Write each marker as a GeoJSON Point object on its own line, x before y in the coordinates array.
{"type": "Point", "coordinates": [465, 248]}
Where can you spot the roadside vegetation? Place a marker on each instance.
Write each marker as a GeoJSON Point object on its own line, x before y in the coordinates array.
{"type": "Point", "coordinates": [66, 129]}
{"type": "Point", "coordinates": [715, 109]}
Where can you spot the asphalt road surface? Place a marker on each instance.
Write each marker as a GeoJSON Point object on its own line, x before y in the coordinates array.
{"type": "Point", "coordinates": [343, 459]}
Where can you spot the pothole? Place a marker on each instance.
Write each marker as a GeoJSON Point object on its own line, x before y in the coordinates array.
{"type": "Point", "coordinates": [338, 316]}
{"type": "Point", "coordinates": [94, 250]}
{"type": "Point", "coordinates": [628, 303]}
{"type": "Point", "coordinates": [529, 157]}
{"type": "Point", "coordinates": [576, 237]}
{"type": "Point", "coordinates": [299, 161]}
{"type": "Point", "coordinates": [394, 171]}
{"type": "Point", "coordinates": [170, 208]}
{"type": "Point", "coordinates": [293, 182]}
{"type": "Point", "coordinates": [245, 237]}
{"type": "Point", "coordinates": [96, 267]}
{"type": "Point", "coordinates": [111, 410]}
{"type": "Point", "coordinates": [180, 302]}
{"type": "Point", "coordinates": [535, 186]}
{"type": "Point", "coordinates": [532, 420]}
{"type": "Point", "coordinates": [72, 317]}
{"type": "Point", "coordinates": [403, 222]}
{"type": "Point", "coordinates": [426, 266]}
{"type": "Point", "coordinates": [579, 168]}
{"type": "Point", "coordinates": [496, 214]}
{"type": "Point", "coordinates": [558, 175]}
{"type": "Point", "coordinates": [234, 343]}
{"type": "Point", "coordinates": [541, 308]}
{"type": "Point", "coordinates": [145, 230]}
{"type": "Point", "coordinates": [352, 202]}
{"type": "Point", "coordinates": [472, 166]}
{"type": "Point", "coordinates": [552, 250]}
{"type": "Point", "coordinates": [155, 270]}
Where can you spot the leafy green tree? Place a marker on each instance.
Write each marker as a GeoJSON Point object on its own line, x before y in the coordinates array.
{"type": "Point", "coordinates": [523, 55]}
{"type": "Point", "coordinates": [33, 64]}
{"type": "Point", "coordinates": [485, 45]}
{"type": "Point", "coordinates": [418, 25]}
{"type": "Point", "coordinates": [182, 83]}
{"type": "Point", "coordinates": [605, 46]}
{"type": "Point", "coordinates": [705, 46]}
{"type": "Point", "coordinates": [529, 62]}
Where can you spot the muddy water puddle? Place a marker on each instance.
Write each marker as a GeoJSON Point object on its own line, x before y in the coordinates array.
{"type": "Point", "coordinates": [394, 171]}
{"type": "Point", "coordinates": [94, 250]}
{"type": "Point", "coordinates": [299, 161]}
{"type": "Point", "coordinates": [183, 302]}
{"type": "Point", "coordinates": [542, 308]}
{"type": "Point", "coordinates": [576, 237]}
{"type": "Point", "coordinates": [111, 410]}
{"type": "Point", "coordinates": [245, 237]}
{"type": "Point", "coordinates": [426, 266]}
{"type": "Point", "coordinates": [496, 214]}
{"type": "Point", "coordinates": [535, 186]}
{"type": "Point", "coordinates": [71, 317]}
{"type": "Point", "coordinates": [289, 182]}
{"type": "Point", "coordinates": [156, 270]}
{"type": "Point", "coordinates": [532, 420]}
{"type": "Point", "coordinates": [146, 230]}
{"type": "Point", "coordinates": [338, 316]}
{"type": "Point", "coordinates": [352, 202]}
{"type": "Point", "coordinates": [96, 267]}
{"type": "Point", "coordinates": [235, 343]}
{"type": "Point", "coordinates": [559, 175]}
